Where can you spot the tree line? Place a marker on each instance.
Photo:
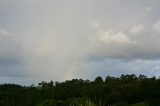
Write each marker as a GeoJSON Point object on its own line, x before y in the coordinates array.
{"type": "Point", "coordinates": [126, 90]}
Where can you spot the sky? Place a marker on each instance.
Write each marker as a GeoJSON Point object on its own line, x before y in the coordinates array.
{"type": "Point", "coordinates": [43, 40]}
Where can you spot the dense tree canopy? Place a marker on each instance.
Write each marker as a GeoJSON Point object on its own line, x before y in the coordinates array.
{"type": "Point", "coordinates": [126, 90]}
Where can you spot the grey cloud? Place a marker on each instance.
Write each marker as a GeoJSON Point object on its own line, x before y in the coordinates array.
{"type": "Point", "coordinates": [114, 67]}
{"type": "Point", "coordinates": [122, 44]}
{"type": "Point", "coordinates": [51, 37]}
{"type": "Point", "coordinates": [10, 54]}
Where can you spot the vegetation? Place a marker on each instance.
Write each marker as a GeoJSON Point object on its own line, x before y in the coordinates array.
{"type": "Point", "coordinates": [126, 90]}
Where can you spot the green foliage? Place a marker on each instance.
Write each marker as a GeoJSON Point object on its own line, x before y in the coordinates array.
{"type": "Point", "coordinates": [49, 102]}
{"type": "Point", "coordinates": [74, 101]}
{"type": "Point", "coordinates": [82, 102]}
{"type": "Point", "coordinates": [61, 103]}
{"type": "Point", "coordinates": [98, 80]}
{"type": "Point", "coordinates": [140, 104]}
{"type": "Point", "coordinates": [126, 90]}
{"type": "Point", "coordinates": [121, 103]}
{"type": "Point", "coordinates": [52, 102]}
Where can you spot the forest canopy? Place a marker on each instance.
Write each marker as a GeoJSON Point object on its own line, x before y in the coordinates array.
{"type": "Point", "coordinates": [126, 90]}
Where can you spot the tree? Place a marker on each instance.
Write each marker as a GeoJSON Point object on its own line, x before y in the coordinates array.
{"type": "Point", "coordinates": [98, 80]}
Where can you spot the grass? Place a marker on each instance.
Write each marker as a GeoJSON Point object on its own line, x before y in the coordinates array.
{"type": "Point", "coordinates": [86, 102]}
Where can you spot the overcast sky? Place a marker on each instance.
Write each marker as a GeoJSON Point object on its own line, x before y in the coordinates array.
{"type": "Point", "coordinates": [65, 39]}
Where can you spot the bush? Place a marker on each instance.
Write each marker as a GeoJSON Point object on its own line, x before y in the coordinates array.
{"type": "Point", "coordinates": [121, 103]}
{"type": "Point", "coordinates": [52, 102]}
{"type": "Point", "coordinates": [80, 102]}
{"type": "Point", "coordinates": [140, 104]}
